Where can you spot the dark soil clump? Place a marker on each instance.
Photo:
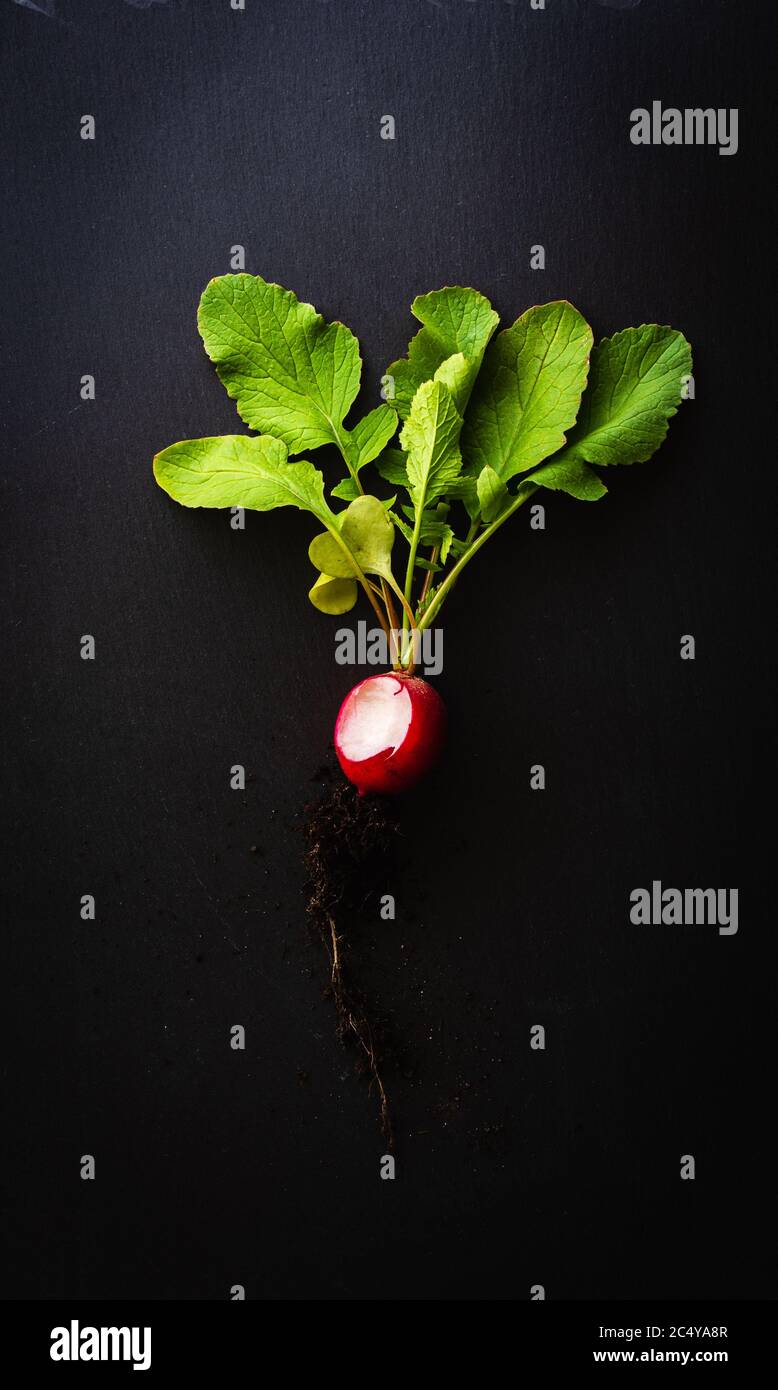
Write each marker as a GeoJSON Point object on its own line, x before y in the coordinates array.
{"type": "Point", "coordinates": [349, 840]}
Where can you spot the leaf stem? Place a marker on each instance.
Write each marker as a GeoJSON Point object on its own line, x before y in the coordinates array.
{"type": "Point", "coordinates": [390, 608]}
{"type": "Point", "coordinates": [443, 509]}
{"type": "Point", "coordinates": [426, 619]}
{"type": "Point", "coordinates": [425, 588]}
{"type": "Point", "coordinates": [411, 568]}
{"type": "Point", "coordinates": [391, 616]}
{"type": "Point", "coordinates": [363, 580]}
{"type": "Point", "coordinates": [408, 620]}
{"type": "Point", "coordinates": [403, 600]}
{"type": "Point", "coordinates": [344, 444]}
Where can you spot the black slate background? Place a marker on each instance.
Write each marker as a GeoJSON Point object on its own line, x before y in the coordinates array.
{"type": "Point", "coordinates": [514, 1167]}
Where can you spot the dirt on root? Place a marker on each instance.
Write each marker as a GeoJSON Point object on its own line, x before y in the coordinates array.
{"type": "Point", "coordinates": [349, 841]}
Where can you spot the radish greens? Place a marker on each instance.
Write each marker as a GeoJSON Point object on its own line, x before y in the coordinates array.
{"type": "Point", "coordinates": [474, 423]}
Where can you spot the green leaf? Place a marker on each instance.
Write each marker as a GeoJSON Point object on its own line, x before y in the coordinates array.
{"type": "Point", "coordinates": [635, 385]}
{"type": "Point", "coordinates": [239, 470]}
{"type": "Point", "coordinates": [290, 373]}
{"type": "Point", "coordinates": [446, 541]}
{"type": "Point", "coordinates": [370, 435]}
{"type": "Point", "coordinates": [366, 536]}
{"type": "Point", "coordinates": [492, 494]}
{"type": "Point", "coordinates": [392, 464]}
{"type": "Point", "coordinates": [528, 391]}
{"type": "Point", "coordinates": [459, 548]}
{"type": "Point", "coordinates": [464, 490]}
{"type": "Point", "coordinates": [424, 605]}
{"type": "Point", "coordinates": [458, 373]}
{"type": "Point", "coordinates": [334, 596]}
{"type": "Point", "coordinates": [456, 321]}
{"type": "Point", "coordinates": [346, 490]}
{"type": "Point", "coordinates": [430, 437]}
{"type": "Point", "coordinates": [433, 530]}
{"type": "Point", "coordinates": [571, 476]}
{"type": "Point", "coordinates": [402, 526]}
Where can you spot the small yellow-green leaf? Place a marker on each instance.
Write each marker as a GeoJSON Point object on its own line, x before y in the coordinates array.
{"type": "Point", "coordinates": [332, 595]}
{"type": "Point", "coordinates": [365, 536]}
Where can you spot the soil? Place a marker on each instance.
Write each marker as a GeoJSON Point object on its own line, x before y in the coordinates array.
{"type": "Point", "coordinates": [349, 843]}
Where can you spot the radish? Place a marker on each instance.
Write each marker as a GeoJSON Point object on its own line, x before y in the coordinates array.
{"type": "Point", "coordinates": [389, 732]}
{"type": "Point", "coordinates": [472, 425]}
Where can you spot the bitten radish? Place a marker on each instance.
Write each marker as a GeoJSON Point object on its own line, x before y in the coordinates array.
{"type": "Point", "coordinates": [389, 732]}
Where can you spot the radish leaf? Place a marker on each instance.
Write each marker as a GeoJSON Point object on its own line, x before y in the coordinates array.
{"type": "Point", "coordinates": [430, 437]}
{"type": "Point", "coordinates": [365, 535]}
{"type": "Point", "coordinates": [458, 374]}
{"type": "Point", "coordinates": [402, 526]}
{"type": "Point", "coordinates": [332, 595]}
{"type": "Point", "coordinates": [521, 397]}
{"type": "Point", "coordinates": [528, 392]}
{"type": "Point", "coordinates": [433, 530]}
{"type": "Point", "coordinates": [465, 490]}
{"type": "Point", "coordinates": [455, 321]}
{"type": "Point", "coordinates": [347, 490]}
{"type": "Point", "coordinates": [492, 494]}
{"type": "Point", "coordinates": [290, 373]}
{"type": "Point", "coordinates": [392, 464]}
{"type": "Point", "coordinates": [571, 476]}
{"type": "Point", "coordinates": [371, 434]}
{"type": "Point", "coordinates": [239, 470]}
{"type": "Point", "coordinates": [635, 386]}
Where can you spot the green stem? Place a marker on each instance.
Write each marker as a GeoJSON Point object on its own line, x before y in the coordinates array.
{"type": "Point", "coordinates": [391, 622]}
{"type": "Point", "coordinates": [408, 621]}
{"type": "Point", "coordinates": [451, 579]}
{"type": "Point", "coordinates": [363, 580]}
{"type": "Point", "coordinates": [425, 588]}
{"type": "Point", "coordinates": [410, 569]}
{"type": "Point", "coordinates": [442, 511]}
{"type": "Point", "coordinates": [341, 439]}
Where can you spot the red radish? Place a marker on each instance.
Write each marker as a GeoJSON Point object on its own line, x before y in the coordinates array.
{"type": "Point", "coordinates": [389, 732]}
